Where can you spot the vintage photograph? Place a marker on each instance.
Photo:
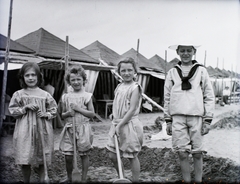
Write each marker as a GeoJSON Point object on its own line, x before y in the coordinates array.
{"type": "Point", "coordinates": [119, 91]}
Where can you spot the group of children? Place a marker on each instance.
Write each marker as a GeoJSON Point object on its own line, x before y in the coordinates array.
{"type": "Point", "coordinates": [187, 85]}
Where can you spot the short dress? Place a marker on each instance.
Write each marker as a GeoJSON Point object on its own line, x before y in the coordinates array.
{"type": "Point", "coordinates": [131, 137]}
{"type": "Point", "coordinates": [26, 137]}
{"type": "Point", "coordinates": [84, 136]}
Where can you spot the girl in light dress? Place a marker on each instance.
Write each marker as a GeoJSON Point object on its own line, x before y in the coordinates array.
{"type": "Point", "coordinates": [32, 106]}
{"type": "Point", "coordinates": [76, 105]}
{"type": "Point", "coordinates": [125, 122]}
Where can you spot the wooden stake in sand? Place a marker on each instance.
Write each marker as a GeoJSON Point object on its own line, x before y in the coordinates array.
{"type": "Point", "coordinates": [4, 84]}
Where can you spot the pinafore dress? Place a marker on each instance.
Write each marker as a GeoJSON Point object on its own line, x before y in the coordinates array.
{"type": "Point", "coordinates": [84, 136]}
{"type": "Point", "coordinates": [131, 137]}
{"type": "Point", "coordinates": [26, 137]}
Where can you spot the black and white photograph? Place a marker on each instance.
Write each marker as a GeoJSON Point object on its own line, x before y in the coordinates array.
{"type": "Point", "coordinates": [119, 91]}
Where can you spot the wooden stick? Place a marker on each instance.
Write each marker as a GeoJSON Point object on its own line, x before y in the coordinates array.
{"type": "Point", "coordinates": [205, 56]}
{"type": "Point", "coordinates": [137, 61]}
{"type": "Point", "coordinates": [165, 64]}
{"type": "Point", "coordinates": [4, 84]}
{"type": "Point", "coordinates": [66, 62]}
{"type": "Point", "coordinates": [46, 178]}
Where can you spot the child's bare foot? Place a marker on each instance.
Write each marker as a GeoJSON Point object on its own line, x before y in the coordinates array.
{"type": "Point", "coordinates": [66, 180]}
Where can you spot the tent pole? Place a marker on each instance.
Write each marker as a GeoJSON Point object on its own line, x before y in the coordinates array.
{"type": "Point", "coordinates": [6, 67]}
{"type": "Point", "coordinates": [205, 57]}
{"type": "Point", "coordinates": [216, 87]}
{"type": "Point", "coordinates": [165, 64]}
{"type": "Point", "coordinates": [222, 81]}
{"type": "Point", "coordinates": [231, 86]}
{"type": "Point", "coordinates": [66, 62]}
{"type": "Point", "coordinates": [137, 52]}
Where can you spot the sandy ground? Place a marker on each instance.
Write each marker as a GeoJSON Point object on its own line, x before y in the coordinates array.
{"type": "Point", "coordinates": [158, 162]}
{"type": "Point", "coordinates": [219, 142]}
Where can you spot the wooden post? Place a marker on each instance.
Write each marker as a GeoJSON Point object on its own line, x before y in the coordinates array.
{"type": "Point", "coordinates": [222, 82]}
{"type": "Point", "coordinates": [231, 86]}
{"type": "Point", "coordinates": [4, 84]}
{"type": "Point", "coordinates": [66, 63]}
{"type": "Point", "coordinates": [216, 83]}
{"type": "Point", "coordinates": [205, 56]}
{"type": "Point", "coordinates": [165, 64]}
{"type": "Point", "coordinates": [137, 61]}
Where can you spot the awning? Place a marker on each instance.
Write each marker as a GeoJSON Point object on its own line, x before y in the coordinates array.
{"type": "Point", "coordinates": [154, 74]}
{"type": "Point", "coordinates": [11, 66]}
{"type": "Point", "coordinates": [60, 65]}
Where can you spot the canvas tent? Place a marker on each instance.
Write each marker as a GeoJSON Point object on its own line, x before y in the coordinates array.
{"type": "Point", "coordinates": [52, 49]}
{"type": "Point", "coordinates": [150, 77]}
{"type": "Point", "coordinates": [159, 62]}
{"type": "Point", "coordinates": [18, 55]}
{"type": "Point", "coordinates": [48, 45]}
{"type": "Point", "coordinates": [220, 84]}
{"type": "Point", "coordinates": [98, 50]}
{"type": "Point", "coordinates": [106, 82]}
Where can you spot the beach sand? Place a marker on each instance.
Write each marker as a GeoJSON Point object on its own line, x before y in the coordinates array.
{"type": "Point", "coordinates": [158, 162]}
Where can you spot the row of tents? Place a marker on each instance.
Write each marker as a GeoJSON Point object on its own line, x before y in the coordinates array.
{"type": "Point", "coordinates": [49, 52]}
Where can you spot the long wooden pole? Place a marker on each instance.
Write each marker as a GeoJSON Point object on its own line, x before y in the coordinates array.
{"type": "Point", "coordinates": [137, 61]}
{"type": "Point", "coordinates": [222, 82]}
{"type": "Point", "coordinates": [231, 87]}
{"type": "Point", "coordinates": [6, 66]}
{"type": "Point", "coordinates": [216, 85]}
{"type": "Point", "coordinates": [66, 62]}
{"type": "Point", "coordinates": [205, 57]}
{"type": "Point", "coordinates": [165, 64]}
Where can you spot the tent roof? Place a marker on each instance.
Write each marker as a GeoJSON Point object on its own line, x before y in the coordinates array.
{"type": "Point", "coordinates": [14, 46]}
{"type": "Point", "coordinates": [212, 72]}
{"type": "Point", "coordinates": [159, 61]}
{"type": "Point", "coordinates": [142, 61]}
{"type": "Point", "coordinates": [48, 45]}
{"type": "Point", "coordinates": [172, 63]}
{"type": "Point", "coordinates": [227, 73]}
{"type": "Point", "coordinates": [98, 50]}
{"type": "Point", "coordinates": [220, 72]}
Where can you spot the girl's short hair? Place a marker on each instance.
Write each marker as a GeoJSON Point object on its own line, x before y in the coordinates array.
{"type": "Point", "coordinates": [26, 67]}
{"type": "Point", "coordinates": [127, 60]}
{"type": "Point", "coordinates": [77, 70]}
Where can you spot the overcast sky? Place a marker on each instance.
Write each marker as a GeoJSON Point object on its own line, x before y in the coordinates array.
{"type": "Point", "coordinates": [118, 24]}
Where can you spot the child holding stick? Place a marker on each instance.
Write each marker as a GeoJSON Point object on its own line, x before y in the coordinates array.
{"type": "Point", "coordinates": [76, 104]}
{"type": "Point", "coordinates": [32, 106]}
{"type": "Point", "coordinates": [189, 104]}
{"type": "Point", "coordinates": [125, 122]}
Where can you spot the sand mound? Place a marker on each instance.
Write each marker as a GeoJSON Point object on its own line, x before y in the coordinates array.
{"type": "Point", "coordinates": [230, 121]}
{"type": "Point", "coordinates": [157, 165]}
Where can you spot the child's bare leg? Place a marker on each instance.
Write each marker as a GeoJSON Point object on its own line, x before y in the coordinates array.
{"type": "Point", "coordinates": [185, 166]}
{"type": "Point", "coordinates": [135, 167]}
{"type": "Point", "coordinates": [113, 158]}
{"type": "Point", "coordinates": [85, 165]}
{"type": "Point", "coordinates": [69, 166]}
{"type": "Point", "coordinates": [26, 170]}
{"type": "Point", "coordinates": [198, 164]}
{"type": "Point", "coordinates": [41, 173]}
